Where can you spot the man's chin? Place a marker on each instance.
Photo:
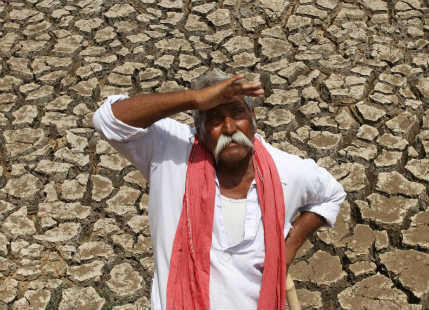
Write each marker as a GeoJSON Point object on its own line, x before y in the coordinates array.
{"type": "Point", "coordinates": [230, 156]}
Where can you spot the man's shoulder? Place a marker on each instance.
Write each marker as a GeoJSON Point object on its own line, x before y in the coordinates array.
{"type": "Point", "coordinates": [170, 127]}
{"type": "Point", "coordinates": [171, 142]}
{"type": "Point", "coordinates": [282, 157]}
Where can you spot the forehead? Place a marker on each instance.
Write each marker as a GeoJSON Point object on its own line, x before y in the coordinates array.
{"type": "Point", "coordinates": [233, 103]}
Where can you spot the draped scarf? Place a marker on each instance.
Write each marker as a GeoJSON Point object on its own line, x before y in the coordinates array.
{"type": "Point", "coordinates": [189, 275]}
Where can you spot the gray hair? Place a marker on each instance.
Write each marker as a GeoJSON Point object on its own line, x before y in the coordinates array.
{"type": "Point", "coordinates": [208, 79]}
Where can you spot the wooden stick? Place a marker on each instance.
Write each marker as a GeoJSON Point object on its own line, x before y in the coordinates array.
{"type": "Point", "coordinates": [292, 298]}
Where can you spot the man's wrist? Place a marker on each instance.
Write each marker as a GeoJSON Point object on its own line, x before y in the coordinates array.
{"type": "Point", "coordinates": [192, 96]}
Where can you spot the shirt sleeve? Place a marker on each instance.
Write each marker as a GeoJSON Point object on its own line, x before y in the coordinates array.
{"type": "Point", "coordinates": [148, 147]}
{"type": "Point", "coordinates": [322, 193]}
{"type": "Point", "coordinates": [135, 143]}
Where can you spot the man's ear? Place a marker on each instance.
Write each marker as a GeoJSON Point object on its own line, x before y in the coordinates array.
{"type": "Point", "coordinates": [200, 127]}
{"type": "Point", "coordinates": [254, 120]}
{"type": "Point", "coordinates": [199, 133]}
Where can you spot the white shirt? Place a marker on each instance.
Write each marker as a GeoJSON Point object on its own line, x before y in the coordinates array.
{"type": "Point", "coordinates": [161, 153]}
{"type": "Point", "coordinates": [234, 212]}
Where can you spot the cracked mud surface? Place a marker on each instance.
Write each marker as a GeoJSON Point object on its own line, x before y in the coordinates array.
{"type": "Point", "coordinates": [347, 84]}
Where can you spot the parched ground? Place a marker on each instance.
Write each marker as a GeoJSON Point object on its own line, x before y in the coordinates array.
{"type": "Point", "coordinates": [347, 84]}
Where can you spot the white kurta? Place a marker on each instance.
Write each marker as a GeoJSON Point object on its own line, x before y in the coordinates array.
{"type": "Point", "coordinates": [161, 153]}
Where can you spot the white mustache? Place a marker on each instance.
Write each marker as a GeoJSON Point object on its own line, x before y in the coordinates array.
{"type": "Point", "coordinates": [223, 141]}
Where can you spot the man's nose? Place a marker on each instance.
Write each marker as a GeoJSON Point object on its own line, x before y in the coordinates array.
{"type": "Point", "coordinates": [229, 126]}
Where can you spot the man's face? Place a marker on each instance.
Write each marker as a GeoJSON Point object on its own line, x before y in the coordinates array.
{"type": "Point", "coordinates": [226, 119]}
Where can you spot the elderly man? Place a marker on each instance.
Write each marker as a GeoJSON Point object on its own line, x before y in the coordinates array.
{"type": "Point", "coordinates": [221, 199]}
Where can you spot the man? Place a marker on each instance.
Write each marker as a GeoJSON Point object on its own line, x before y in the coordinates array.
{"type": "Point", "coordinates": [221, 198]}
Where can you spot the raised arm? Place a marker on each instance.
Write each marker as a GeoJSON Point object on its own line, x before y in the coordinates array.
{"type": "Point", "coordinates": [144, 109]}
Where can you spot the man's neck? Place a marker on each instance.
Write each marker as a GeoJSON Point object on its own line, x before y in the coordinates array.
{"type": "Point", "coordinates": [235, 178]}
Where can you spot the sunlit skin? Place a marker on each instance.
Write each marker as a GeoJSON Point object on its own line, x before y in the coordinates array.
{"type": "Point", "coordinates": [235, 167]}
{"type": "Point", "coordinates": [226, 119]}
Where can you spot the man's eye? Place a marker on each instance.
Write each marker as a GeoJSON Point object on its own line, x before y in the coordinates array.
{"type": "Point", "coordinates": [237, 113]}
{"type": "Point", "coordinates": [214, 120]}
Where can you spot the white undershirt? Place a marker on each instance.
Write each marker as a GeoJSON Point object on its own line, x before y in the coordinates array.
{"type": "Point", "coordinates": [234, 212]}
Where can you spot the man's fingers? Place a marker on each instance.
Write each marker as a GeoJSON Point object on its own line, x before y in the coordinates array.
{"type": "Point", "coordinates": [235, 78]}
{"type": "Point", "coordinates": [258, 92]}
{"type": "Point", "coordinates": [248, 89]}
{"type": "Point", "coordinates": [253, 85]}
{"type": "Point", "coordinates": [251, 90]}
{"type": "Point", "coordinates": [235, 87]}
{"type": "Point", "coordinates": [254, 93]}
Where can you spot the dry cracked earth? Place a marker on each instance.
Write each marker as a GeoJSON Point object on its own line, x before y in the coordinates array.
{"type": "Point", "coordinates": [347, 83]}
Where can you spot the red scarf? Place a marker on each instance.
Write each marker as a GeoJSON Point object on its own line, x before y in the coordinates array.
{"type": "Point", "coordinates": [189, 276]}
